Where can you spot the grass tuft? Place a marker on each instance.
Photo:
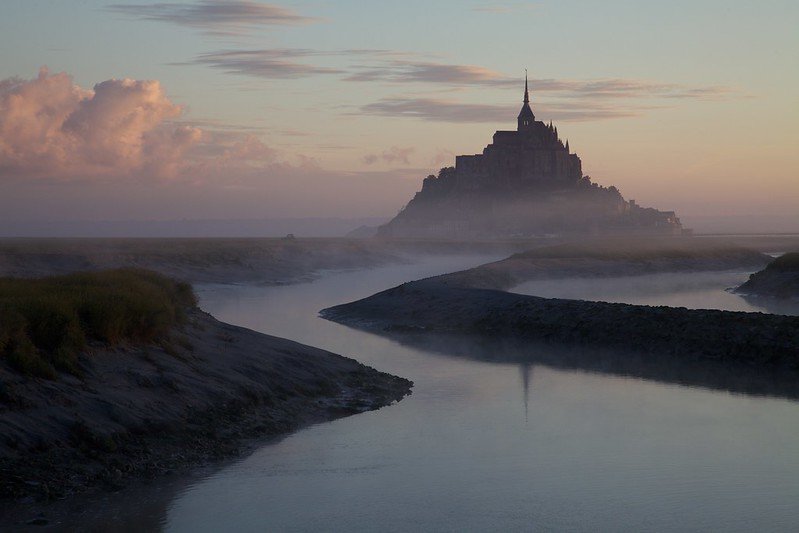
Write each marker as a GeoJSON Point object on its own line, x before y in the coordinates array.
{"type": "Point", "coordinates": [45, 323]}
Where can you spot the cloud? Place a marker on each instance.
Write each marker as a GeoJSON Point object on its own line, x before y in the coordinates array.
{"type": "Point", "coordinates": [394, 154]}
{"type": "Point", "coordinates": [396, 67]}
{"type": "Point", "coordinates": [405, 71]}
{"type": "Point", "coordinates": [49, 125]}
{"type": "Point", "coordinates": [435, 110]}
{"type": "Point", "coordinates": [263, 63]}
{"type": "Point", "coordinates": [52, 129]}
{"type": "Point", "coordinates": [587, 110]}
{"type": "Point", "coordinates": [399, 71]}
{"type": "Point", "coordinates": [283, 62]}
{"type": "Point", "coordinates": [215, 16]}
{"type": "Point", "coordinates": [440, 110]}
{"type": "Point", "coordinates": [625, 88]}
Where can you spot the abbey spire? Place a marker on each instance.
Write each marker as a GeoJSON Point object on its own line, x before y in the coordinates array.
{"type": "Point", "coordinates": [526, 117]}
{"type": "Point", "coordinates": [526, 93]}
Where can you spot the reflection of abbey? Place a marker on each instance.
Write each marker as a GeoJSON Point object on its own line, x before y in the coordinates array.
{"type": "Point", "coordinates": [524, 183]}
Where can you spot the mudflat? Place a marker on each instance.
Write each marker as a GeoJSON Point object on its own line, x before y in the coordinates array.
{"type": "Point", "coordinates": [473, 302]}
{"type": "Point", "coordinates": [277, 261]}
{"type": "Point", "coordinates": [137, 411]}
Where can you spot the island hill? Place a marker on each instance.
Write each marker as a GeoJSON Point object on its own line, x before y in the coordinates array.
{"type": "Point", "coordinates": [525, 183]}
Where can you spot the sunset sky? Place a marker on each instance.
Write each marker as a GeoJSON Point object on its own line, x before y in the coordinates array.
{"type": "Point", "coordinates": [241, 109]}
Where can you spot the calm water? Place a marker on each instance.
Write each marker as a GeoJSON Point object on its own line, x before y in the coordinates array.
{"type": "Point", "coordinates": [498, 446]}
{"type": "Point", "coordinates": [699, 290]}
{"type": "Point", "coordinates": [505, 447]}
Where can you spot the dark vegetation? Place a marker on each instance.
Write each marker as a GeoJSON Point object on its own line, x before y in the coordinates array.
{"type": "Point", "coordinates": [45, 323]}
{"type": "Point", "coordinates": [148, 384]}
{"type": "Point", "coordinates": [779, 280]}
{"type": "Point", "coordinates": [787, 262]}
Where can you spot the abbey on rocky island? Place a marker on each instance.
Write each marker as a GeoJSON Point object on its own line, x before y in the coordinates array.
{"type": "Point", "coordinates": [525, 183]}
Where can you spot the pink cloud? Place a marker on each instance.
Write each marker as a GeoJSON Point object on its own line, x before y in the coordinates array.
{"type": "Point", "coordinates": [50, 128]}
{"type": "Point", "coordinates": [124, 150]}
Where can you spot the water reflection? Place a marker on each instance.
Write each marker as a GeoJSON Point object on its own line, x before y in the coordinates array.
{"type": "Point", "coordinates": [596, 450]}
{"type": "Point", "coordinates": [773, 305]}
{"type": "Point", "coordinates": [526, 372]}
{"type": "Point", "coordinates": [710, 374]}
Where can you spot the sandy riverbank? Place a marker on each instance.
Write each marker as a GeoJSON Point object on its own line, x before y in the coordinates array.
{"type": "Point", "coordinates": [141, 411]}
{"type": "Point", "coordinates": [429, 306]}
{"type": "Point", "coordinates": [472, 302]}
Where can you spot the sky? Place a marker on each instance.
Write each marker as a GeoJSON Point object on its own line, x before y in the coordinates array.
{"type": "Point", "coordinates": [211, 109]}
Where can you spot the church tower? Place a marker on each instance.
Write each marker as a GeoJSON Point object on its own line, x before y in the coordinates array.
{"type": "Point", "coordinates": [526, 118]}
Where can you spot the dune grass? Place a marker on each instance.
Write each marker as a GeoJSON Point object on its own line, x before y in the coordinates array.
{"type": "Point", "coordinates": [45, 323]}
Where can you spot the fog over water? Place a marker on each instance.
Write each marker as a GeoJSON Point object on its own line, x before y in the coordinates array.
{"type": "Point", "coordinates": [696, 290]}
{"type": "Point", "coordinates": [484, 445]}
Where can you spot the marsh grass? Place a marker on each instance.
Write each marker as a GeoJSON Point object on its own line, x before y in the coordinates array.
{"type": "Point", "coordinates": [787, 262]}
{"type": "Point", "coordinates": [45, 323]}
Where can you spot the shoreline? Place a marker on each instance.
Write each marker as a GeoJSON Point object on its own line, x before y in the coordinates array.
{"type": "Point", "coordinates": [749, 338]}
{"type": "Point", "coordinates": [279, 261]}
{"type": "Point", "coordinates": [475, 302]}
{"type": "Point", "coordinates": [597, 261]}
{"type": "Point", "coordinates": [258, 261]}
{"type": "Point", "coordinates": [137, 413]}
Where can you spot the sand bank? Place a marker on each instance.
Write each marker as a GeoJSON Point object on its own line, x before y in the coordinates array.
{"type": "Point", "coordinates": [139, 411]}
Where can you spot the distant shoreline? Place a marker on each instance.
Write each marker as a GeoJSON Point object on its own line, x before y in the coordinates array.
{"type": "Point", "coordinates": [276, 261]}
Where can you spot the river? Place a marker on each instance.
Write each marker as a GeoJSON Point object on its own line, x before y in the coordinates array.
{"type": "Point", "coordinates": [497, 446]}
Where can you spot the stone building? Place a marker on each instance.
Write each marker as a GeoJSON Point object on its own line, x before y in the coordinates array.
{"type": "Point", "coordinates": [531, 155]}
{"type": "Point", "coordinates": [525, 183]}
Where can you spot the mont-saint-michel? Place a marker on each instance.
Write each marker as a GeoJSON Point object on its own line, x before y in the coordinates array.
{"type": "Point", "coordinates": [527, 182]}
